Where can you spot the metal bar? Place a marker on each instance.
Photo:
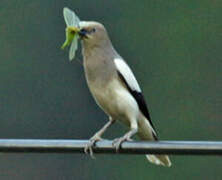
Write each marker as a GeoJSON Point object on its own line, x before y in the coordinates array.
{"type": "Point", "coordinates": [105, 146]}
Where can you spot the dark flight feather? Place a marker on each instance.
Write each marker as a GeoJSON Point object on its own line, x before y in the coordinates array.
{"type": "Point", "coordinates": [140, 101]}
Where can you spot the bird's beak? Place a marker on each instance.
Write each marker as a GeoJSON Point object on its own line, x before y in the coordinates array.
{"type": "Point", "coordinates": [83, 33]}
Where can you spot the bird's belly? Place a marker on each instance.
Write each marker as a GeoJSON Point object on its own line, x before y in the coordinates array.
{"type": "Point", "coordinates": [116, 101]}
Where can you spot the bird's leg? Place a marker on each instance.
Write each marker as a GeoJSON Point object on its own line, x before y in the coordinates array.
{"type": "Point", "coordinates": [97, 137]}
{"type": "Point", "coordinates": [127, 137]}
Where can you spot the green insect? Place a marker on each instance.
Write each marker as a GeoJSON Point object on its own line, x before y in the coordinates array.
{"type": "Point", "coordinates": [72, 29]}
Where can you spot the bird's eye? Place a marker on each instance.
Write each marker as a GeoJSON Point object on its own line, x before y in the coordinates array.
{"type": "Point", "coordinates": [93, 30]}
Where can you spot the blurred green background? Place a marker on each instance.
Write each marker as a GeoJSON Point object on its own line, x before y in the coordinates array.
{"type": "Point", "coordinates": [175, 50]}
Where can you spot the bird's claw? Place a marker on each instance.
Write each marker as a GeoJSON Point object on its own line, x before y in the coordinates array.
{"type": "Point", "coordinates": [89, 146]}
{"type": "Point", "coordinates": [118, 141]}
{"type": "Point", "coordinates": [88, 149]}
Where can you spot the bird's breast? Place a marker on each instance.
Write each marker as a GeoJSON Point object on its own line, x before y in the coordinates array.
{"type": "Point", "coordinates": [115, 100]}
{"type": "Point", "coordinates": [107, 89]}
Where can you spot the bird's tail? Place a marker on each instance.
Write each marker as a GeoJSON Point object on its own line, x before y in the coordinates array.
{"type": "Point", "coordinates": [159, 160]}
{"type": "Point", "coordinates": [145, 133]}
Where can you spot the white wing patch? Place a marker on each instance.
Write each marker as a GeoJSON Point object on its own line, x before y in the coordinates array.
{"type": "Point", "coordinates": [126, 72]}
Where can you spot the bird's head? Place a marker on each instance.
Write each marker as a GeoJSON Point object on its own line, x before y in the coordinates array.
{"type": "Point", "coordinates": [93, 33]}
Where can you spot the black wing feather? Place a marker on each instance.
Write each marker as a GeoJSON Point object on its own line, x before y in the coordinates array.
{"type": "Point", "coordinates": [140, 101]}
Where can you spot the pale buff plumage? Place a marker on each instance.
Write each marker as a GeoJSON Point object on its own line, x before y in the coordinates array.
{"type": "Point", "coordinates": [112, 83]}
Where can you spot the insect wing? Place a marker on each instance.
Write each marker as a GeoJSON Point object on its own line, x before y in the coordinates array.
{"type": "Point", "coordinates": [70, 18]}
{"type": "Point", "coordinates": [77, 21]}
{"type": "Point", "coordinates": [73, 48]}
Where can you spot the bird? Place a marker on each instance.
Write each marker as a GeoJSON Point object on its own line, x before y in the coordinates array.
{"type": "Point", "coordinates": [115, 89]}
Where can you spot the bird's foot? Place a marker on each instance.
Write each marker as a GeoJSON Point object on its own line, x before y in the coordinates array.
{"type": "Point", "coordinates": [118, 141]}
{"type": "Point", "coordinates": [89, 146]}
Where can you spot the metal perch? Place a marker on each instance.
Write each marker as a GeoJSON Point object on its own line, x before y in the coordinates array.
{"type": "Point", "coordinates": [105, 146]}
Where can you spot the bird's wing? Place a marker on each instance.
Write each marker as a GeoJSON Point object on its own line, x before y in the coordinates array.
{"type": "Point", "coordinates": [126, 72]}
{"type": "Point", "coordinates": [126, 75]}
